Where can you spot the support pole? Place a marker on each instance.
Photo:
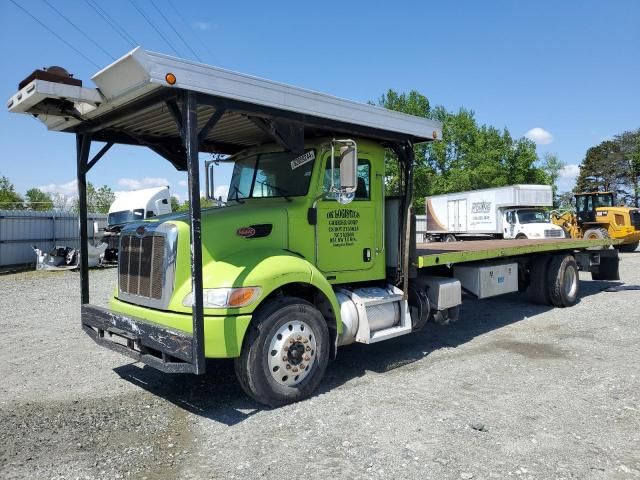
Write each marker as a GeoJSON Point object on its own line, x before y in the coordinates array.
{"type": "Point", "coordinates": [83, 147]}
{"type": "Point", "coordinates": [406, 252]}
{"type": "Point", "coordinates": [190, 125]}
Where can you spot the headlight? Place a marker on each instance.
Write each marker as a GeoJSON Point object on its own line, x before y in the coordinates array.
{"type": "Point", "coordinates": [225, 297]}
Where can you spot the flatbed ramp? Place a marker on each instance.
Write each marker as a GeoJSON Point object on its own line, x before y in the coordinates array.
{"type": "Point", "coordinates": [443, 253]}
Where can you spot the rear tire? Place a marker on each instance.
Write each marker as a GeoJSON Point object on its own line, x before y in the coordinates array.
{"type": "Point", "coordinates": [563, 281]}
{"type": "Point", "coordinates": [538, 291]}
{"type": "Point", "coordinates": [596, 234]}
{"type": "Point", "coordinates": [285, 352]}
{"type": "Point", "coordinates": [449, 238]}
{"type": "Point", "coordinates": [628, 247]}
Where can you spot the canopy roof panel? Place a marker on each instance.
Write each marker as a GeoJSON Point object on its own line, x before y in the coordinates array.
{"type": "Point", "coordinates": [140, 97]}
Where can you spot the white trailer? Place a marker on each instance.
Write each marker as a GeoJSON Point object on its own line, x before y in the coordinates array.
{"type": "Point", "coordinates": [515, 211]}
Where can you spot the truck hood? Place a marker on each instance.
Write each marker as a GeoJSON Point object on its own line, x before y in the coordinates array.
{"type": "Point", "coordinates": [228, 230]}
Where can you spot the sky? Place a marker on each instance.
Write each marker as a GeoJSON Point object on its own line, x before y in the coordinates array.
{"type": "Point", "coordinates": [565, 74]}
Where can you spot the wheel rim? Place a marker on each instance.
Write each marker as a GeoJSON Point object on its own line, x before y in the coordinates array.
{"type": "Point", "coordinates": [570, 283]}
{"type": "Point", "coordinates": [291, 353]}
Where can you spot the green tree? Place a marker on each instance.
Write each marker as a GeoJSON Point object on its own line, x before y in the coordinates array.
{"type": "Point", "coordinates": [552, 166]}
{"type": "Point", "coordinates": [175, 203]}
{"type": "Point", "coordinates": [98, 200]}
{"type": "Point", "coordinates": [629, 143]}
{"type": "Point", "coordinates": [38, 200]}
{"type": "Point", "coordinates": [204, 203]}
{"type": "Point", "coordinates": [565, 200]}
{"type": "Point", "coordinates": [469, 156]}
{"type": "Point", "coordinates": [9, 198]}
{"type": "Point", "coordinates": [603, 169]}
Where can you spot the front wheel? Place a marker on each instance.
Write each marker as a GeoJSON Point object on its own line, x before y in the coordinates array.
{"type": "Point", "coordinates": [285, 352]}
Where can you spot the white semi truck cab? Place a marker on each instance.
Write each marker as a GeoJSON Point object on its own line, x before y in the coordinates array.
{"type": "Point", "coordinates": [138, 205]}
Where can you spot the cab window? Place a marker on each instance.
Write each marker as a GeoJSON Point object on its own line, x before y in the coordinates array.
{"type": "Point", "coordinates": [363, 190]}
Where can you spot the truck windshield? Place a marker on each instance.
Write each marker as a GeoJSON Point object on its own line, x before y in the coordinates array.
{"type": "Point", "coordinates": [125, 216]}
{"type": "Point", "coordinates": [533, 216]}
{"type": "Point", "coordinates": [280, 174]}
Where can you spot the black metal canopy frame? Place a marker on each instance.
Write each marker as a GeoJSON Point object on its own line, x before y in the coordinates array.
{"type": "Point", "coordinates": [174, 351]}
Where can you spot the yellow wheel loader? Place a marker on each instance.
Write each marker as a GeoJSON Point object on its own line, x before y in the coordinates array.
{"type": "Point", "coordinates": [596, 217]}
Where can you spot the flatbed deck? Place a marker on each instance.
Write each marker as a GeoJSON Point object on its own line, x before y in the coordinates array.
{"type": "Point", "coordinates": [443, 253]}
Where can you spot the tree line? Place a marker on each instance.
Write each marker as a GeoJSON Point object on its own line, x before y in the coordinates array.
{"type": "Point", "coordinates": [98, 199]}
{"type": "Point", "coordinates": [469, 157]}
{"type": "Point", "coordinates": [613, 166]}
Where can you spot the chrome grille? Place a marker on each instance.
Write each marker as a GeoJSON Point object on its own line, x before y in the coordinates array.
{"type": "Point", "coordinates": [553, 233]}
{"type": "Point", "coordinates": [141, 265]}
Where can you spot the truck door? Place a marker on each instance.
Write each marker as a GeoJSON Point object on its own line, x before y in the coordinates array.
{"type": "Point", "coordinates": [452, 215]}
{"type": "Point", "coordinates": [457, 215]}
{"type": "Point", "coordinates": [462, 215]}
{"type": "Point", "coordinates": [347, 235]}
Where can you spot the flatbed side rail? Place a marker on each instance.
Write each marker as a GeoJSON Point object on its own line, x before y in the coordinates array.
{"type": "Point", "coordinates": [166, 350]}
{"type": "Point", "coordinates": [434, 254]}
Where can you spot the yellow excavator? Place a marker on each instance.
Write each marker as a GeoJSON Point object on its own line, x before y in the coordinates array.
{"type": "Point", "coordinates": [596, 216]}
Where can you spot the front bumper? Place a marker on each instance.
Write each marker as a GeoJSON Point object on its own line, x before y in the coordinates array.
{"type": "Point", "coordinates": [166, 350]}
{"type": "Point", "coordinates": [162, 339]}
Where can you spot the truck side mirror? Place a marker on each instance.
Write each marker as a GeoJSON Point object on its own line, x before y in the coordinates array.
{"type": "Point", "coordinates": [210, 185]}
{"type": "Point", "coordinates": [348, 168]}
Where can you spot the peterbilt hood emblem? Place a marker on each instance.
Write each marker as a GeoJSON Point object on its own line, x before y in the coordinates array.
{"type": "Point", "coordinates": [140, 230]}
{"type": "Point", "coordinates": [246, 232]}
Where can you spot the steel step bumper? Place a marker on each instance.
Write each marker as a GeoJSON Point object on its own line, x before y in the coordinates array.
{"type": "Point", "coordinates": [166, 350]}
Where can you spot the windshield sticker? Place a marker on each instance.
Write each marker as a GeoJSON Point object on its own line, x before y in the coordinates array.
{"type": "Point", "coordinates": [302, 159]}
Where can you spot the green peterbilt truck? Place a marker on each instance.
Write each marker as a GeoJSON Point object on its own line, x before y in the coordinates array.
{"type": "Point", "coordinates": [309, 253]}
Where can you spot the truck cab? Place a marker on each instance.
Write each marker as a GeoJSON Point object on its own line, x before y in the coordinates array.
{"type": "Point", "coordinates": [137, 205]}
{"type": "Point", "coordinates": [283, 223]}
{"type": "Point", "coordinates": [521, 223]}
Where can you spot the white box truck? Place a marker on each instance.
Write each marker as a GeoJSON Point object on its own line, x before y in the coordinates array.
{"type": "Point", "coordinates": [515, 211]}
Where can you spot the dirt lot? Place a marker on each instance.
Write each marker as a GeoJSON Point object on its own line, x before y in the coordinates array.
{"type": "Point", "coordinates": [511, 390]}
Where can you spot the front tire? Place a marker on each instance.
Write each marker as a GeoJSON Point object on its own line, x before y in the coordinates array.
{"type": "Point", "coordinates": [285, 352]}
{"type": "Point", "coordinates": [521, 236]}
{"type": "Point", "coordinates": [596, 234]}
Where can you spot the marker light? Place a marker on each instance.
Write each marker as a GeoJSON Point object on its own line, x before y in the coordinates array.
{"type": "Point", "coordinates": [170, 78]}
{"type": "Point", "coordinates": [434, 134]}
{"type": "Point", "coordinates": [225, 297]}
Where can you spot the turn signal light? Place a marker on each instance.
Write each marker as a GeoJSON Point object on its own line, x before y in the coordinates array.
{"type": "Point", "coordinates": [170, 78]}
{"type": "Point", "coordinates": [241, 296]}
{"type": "Point", "coordinates": [225, 297]}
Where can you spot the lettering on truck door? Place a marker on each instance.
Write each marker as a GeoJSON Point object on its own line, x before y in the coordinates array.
{"type": "Point", "coordinates": [347, 233]}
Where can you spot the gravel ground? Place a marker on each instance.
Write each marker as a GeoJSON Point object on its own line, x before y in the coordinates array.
{"type": "Point", "coordinates": [510, 390]}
